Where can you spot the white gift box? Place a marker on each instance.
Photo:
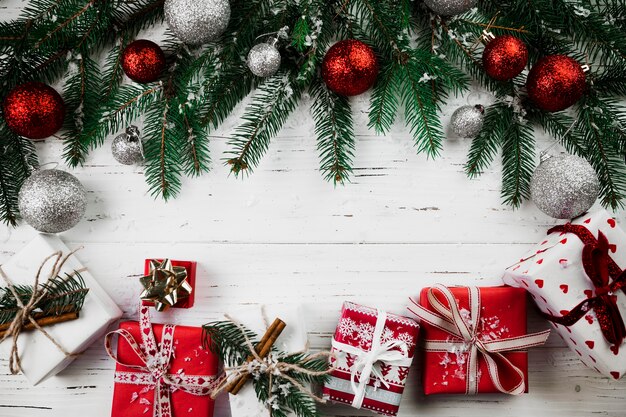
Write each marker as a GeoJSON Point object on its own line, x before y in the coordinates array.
{"type": "Point", "coordinates": [40, 359]}
{"type": "Point", "coordinates": [553, 273]}
{"type": "Point", "coordinates": [292, 339]}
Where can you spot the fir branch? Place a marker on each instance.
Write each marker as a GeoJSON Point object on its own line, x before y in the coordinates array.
{"type": "Point", "coordinates": [384, 99]}
{"type": "Point", "coordinates": [518, 162]}
{"type": "Point", "coordinates": [498, 118]}
{"type": "Point", "coordinates": [63, 295]}
{"type": "Point", "coordinates": [599, 132]}
{"type": "Point", "coordinates": [420, 108]}
{"type": "Point", "coordinates": [275, 99]}
{"type": "Point", "coordinates": [335, 133]}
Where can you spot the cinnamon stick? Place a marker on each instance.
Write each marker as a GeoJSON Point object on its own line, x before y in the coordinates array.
{"type": "Point", "coordinates": [263, 348]}
{"type": "Point", "coordinates": [42, 321]}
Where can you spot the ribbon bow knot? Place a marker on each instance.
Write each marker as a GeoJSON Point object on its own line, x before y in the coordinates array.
{"type": "Point", "coordinates": [448, 318]}
{"type": "Point", "coordinates": [600, 269]}
{"type": "Point", "coordinates": [156, 360]}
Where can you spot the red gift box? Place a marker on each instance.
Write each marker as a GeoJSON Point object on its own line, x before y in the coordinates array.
{"type": "Point", "coordinates": [354, 339]}
{"type": "Point", "coordinates": [461, 359]}
{"type": "Point", "coordinates": [190, 267]}
{"type": "Point", "coordinates": [184, 382]}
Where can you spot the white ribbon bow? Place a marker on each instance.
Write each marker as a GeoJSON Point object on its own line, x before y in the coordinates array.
{"type": "Point", "coordinates": [365, 365]}
{"type": "Point", "coordinates": [451, 321]}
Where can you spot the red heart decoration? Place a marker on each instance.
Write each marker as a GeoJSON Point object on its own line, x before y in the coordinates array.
{"type": "Point", "coordinates": [539, 283]}
{"type": "Point", "coordinates": [540, 261]}
{"type": "Point", "coordinates": [152, 352]}
{"type": "Point", "coordinates": [564, 288]}
{"type": "Point", "coordinates": [590, 343]}
{"type": "Point", "coordinates": [587, 221]}
{"type": "Point", "coordinates": [146, 331]}
{"type": "Point", "coordinates": [588, 293]}
{"type": "Point", "coordinates": [615, 349]}
{"type": "Point", "coordinates": [615, 374]}
{"type": "Point", "coordinates": [589, 319]}
{"type": "Point", "coordinates": [563, 241]}
{"type": "Point", "coordinates": [564, 312]}
{"type": "Point", "coordinates": [612, 248]}
{"type": "Point", "coordinates": [611, 222]}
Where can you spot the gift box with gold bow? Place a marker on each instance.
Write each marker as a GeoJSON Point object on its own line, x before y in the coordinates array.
{"type": "Point", "coordinates": [576, 277]}
{"type": "Point", "coordinates": [474, 339]}
{"type": "Point", "coordinates": [372, 351]}
{"type": "Point", "coordinates": [168, 283]}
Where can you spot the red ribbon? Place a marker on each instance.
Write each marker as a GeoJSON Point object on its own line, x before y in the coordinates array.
{"type": "Point", "coordinates": [600, 268]}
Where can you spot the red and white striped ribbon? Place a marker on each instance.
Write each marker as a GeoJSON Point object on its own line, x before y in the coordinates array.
{"type": "Point", "coordinates": [449, 319]}
{"type": "Point", "coordinates": [156, 359]}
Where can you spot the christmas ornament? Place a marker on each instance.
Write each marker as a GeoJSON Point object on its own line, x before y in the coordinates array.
{"type": "Point", "coordinates": [450, 7]}
{"type": "Point", "coordinates": [143, 61]}
{"type": "Point", "coordinates": [127, 148]}
{"type": "Point", "coordinates": [564, 186]}
{"type": "Point", "coordinates": [264, 59]}
{"type": "Point", "coordinates": [555, 83]}
{"type": "Point", "coordinates": [34, 110]}
{"type": "Point", "coordinates": [197, 21]}
{"type": "Point", "coordinates": [52, 200]}
{"type": "Point", "coordinates": [467, 121]}
{"type": "Point", "coordinates": [505, 57]}
{"type": "Point", "coordinates": [349, 67]}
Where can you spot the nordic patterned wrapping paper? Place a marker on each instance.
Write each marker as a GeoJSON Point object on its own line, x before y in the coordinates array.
{"type": "Point", "coordinates": [553, 273]}
{"type": "Point", "coordinates": [40, 358]}
{"type": "Point", "coordinates": [356, 328]}
{"type": "Point", "coordinates": [292, 339]}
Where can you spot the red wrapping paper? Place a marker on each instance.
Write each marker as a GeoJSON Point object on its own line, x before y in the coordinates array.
{"type": "Point", "coordinates": [356, 328]}
{"type": "Point", "coordinates": [190, 266]}
{"type": "Point", "coordinates": [189, 357]}
{"type": "Point", "coordinates": [503, 315]}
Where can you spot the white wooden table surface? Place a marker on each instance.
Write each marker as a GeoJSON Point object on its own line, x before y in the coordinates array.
{"type": "Point", "coordinates": [284, 235]}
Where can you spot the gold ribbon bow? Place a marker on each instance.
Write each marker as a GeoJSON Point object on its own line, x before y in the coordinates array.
{"type": "Point", "coordinates": [165, 284]}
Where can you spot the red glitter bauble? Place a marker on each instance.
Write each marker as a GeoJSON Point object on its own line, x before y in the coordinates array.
{"type": "Point", "coordinates": [505, 57]}
{"type": "Point", "coordinates": [34, 110]}
{"type": "Point", "coordinates": [555, 82]}
{"type": "Point", "coordinates": [349, 68]}
{"type": "Point", "coordinates": [143, 61]}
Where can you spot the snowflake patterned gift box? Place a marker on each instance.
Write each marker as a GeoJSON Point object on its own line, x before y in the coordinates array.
{"type": "Point", "coordinates": [575, 276]}
{"type": "Point", "coordinates": [40, 358]}
{"type": "Point", "coordinates": [372, 353]}
{"type": "Point", "coordinates": [474, 339]}
{"type": "Point", "coordinates": [162, 370]}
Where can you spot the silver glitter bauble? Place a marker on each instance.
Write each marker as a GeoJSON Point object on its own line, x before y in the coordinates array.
{"type": "Point", "coordinates": [127, 148]}
{"type": "Point", "coordinates": [467, 121]}
{"type": "Point", "coordinates": [52, 200]}
{"type": "Point", "coordinates": [264, 59]}
{"type": "Point", "coordinates": [450, 7]}
{"type": "Point", "coordinates": [197, 21]}
{"type": "Point", "coordinates": [564, 186]}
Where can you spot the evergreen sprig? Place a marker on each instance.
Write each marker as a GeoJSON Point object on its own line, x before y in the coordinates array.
{"type": "Point", "coordinates": [231, 341]}
{"type": "Point", "coordinates": [423, 60]}
{"type": "Point", "coordinates": [62, 295]}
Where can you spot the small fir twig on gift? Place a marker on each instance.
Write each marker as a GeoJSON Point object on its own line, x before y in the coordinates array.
{"type": "Point", "coordinates": [279, 378]}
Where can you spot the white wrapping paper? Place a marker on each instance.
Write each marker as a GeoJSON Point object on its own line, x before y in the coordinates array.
{"type": "Point", "coordinates": [553, 274]}
{"type": "Point", "coordinates": [40, 358]}
{"type": "Point", "coordinates": [292, 339]}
